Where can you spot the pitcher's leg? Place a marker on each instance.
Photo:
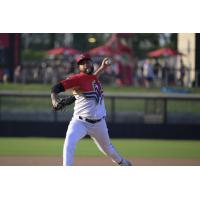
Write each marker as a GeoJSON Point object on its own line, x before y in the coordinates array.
{"type": "Point", "coordinates": [102, 140]}
{"type": "Point", "coordinates": [76, 131]}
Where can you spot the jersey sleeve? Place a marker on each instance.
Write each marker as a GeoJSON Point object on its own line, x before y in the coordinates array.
{"type": "Point", "coordinates": [70, 82]}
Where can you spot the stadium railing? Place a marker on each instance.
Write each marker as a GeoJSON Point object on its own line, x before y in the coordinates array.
{"type": "Point", "coordinates": [161, 108]}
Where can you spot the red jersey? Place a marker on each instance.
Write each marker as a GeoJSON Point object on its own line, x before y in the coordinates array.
{"type": "Point", "coordinates": [89, 103]}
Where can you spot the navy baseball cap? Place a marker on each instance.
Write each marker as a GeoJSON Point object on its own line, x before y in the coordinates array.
{"type": "Point", "coordinates": [83, 57]}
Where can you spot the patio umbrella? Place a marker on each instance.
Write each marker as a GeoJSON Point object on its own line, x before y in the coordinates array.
{"type": "Point", "coordinates": [123, 49]}
{"type": "Point", "coordinates": [108, 50]}
{"type": "Point", "coordinates": [63, 50]}
{"type": "Point", "coordinates": [163, 52]}
{"type": "Point", "coordinates": [101, 51]}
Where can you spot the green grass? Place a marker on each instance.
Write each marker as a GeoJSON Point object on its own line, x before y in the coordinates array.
{"type": "Point", "coordinates": [30, 146]}
{"type": "Point", "coordinates": [47, 88]}
{"type": "Point", "coordinates": [86, 147]}
{"type": "Point", "coordinates": [26, 103]}
{"type": "Point", "coordinates": [26, 87]}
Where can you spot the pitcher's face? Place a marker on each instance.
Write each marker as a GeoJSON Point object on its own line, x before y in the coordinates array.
{"type": "Point", "coordinates": [85, 64]}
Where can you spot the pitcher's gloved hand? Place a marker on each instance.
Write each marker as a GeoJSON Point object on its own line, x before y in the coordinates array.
{"type": "Point", "coordinates": [63, 102]}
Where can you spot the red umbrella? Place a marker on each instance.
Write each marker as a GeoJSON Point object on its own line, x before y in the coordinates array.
{"type": "Point", "coordinates": [102, 50]}
{"type": "Point", "coordinates": [163, 52]}
{"type": "Point", "coordinates": [56, 51]}
{"type": "Point", "coordinates": [115, 43]}
{"type": "Point", "coordinates": [106, 50]}
{"type": "Point", "coordinates": [63, 50]}
{"type": "Point", "coordinates": [70, 51]}
{"type": "Point", "coordinates": [124, 49]}
{"type": "Point", "coordinates": [112, 47]}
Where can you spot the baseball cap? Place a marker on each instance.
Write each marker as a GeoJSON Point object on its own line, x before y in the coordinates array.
{"type": "Point", "coordinates": [83, 57]}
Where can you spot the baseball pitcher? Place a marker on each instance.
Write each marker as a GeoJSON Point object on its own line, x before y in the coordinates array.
{"type": "Point", "coordinates": [89, 111]}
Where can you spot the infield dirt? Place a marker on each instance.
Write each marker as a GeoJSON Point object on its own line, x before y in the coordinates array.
{"type": "Point", "coordinates": [92, 161]}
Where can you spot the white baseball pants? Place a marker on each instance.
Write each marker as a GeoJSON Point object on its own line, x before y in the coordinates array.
{"type": "Point", "coordinates": [78, 129]}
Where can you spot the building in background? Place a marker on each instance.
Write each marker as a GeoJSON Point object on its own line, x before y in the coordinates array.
{"type": "Point", "coordinates": [186, 45]}
{"type": "Point", "coordinates": [9, 54]}
{"type": "Point", "coordinates": [189, 45]}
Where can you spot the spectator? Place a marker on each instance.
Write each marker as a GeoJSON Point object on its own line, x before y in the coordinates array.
{"type": "Point", "coordinates": [25, 74]}
{"type": "Point", "coordinates": [188, 70]}
{"type": "Point", "coordinates": [165, 74]}
{"type": "Point", "coordinates": [17, 74]}
{"type": "Point", "coordinates": [6, 75]}
{"type": "Point", "coordinates": [48, 75]}
{"type": "Point", "coordinates": [148, 73]}
{"type": "Point", "coordinates": [157, 73]}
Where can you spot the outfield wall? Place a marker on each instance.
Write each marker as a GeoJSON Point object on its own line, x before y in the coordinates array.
{"type": "Point", "coordinates": [116, 130]}
{"type": "Point", "coordinates": [141, 115]}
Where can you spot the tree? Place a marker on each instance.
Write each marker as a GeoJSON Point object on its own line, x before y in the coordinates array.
{"type": "Point", "coordinates": [81, 40]}
{"type": "Point", "coordinates": [145, 42]}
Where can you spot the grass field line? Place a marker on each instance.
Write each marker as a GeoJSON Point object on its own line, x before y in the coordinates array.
{"type": "Point", "coordinates": [126, 147]}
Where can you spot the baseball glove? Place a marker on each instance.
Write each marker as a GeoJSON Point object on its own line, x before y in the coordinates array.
{"type": "Point", "coordinates": [63, 102]}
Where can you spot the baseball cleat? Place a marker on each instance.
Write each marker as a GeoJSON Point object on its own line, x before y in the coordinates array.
{"type": "Point", "coordinates": [125, 162]}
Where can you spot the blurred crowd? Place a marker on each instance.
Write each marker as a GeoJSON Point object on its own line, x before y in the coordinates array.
{"type": "Point", "coordinates": [123, 71]}
{"type": "Point", "coordinates": [155, 73]}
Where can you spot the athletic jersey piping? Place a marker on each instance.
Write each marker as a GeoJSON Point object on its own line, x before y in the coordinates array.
{"type": "Point", "coordinates": [94, 95]}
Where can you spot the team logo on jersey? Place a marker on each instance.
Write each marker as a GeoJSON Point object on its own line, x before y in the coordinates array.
{"type": "Point", "coordinates": [96, 94]}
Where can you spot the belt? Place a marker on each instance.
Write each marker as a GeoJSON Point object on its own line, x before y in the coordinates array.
{"type": "Point", "coordinates": [93, 121]}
